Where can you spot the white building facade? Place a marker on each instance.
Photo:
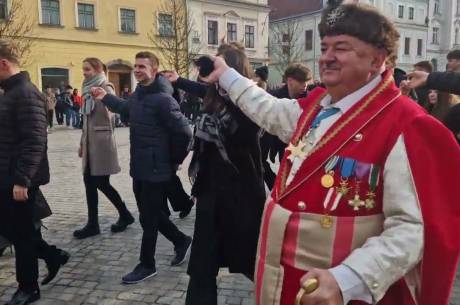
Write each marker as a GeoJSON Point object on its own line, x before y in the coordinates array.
{"type": "Point", "coordinates": [217, 21]}
{"type": "Point", "coordinates": [429, 30]}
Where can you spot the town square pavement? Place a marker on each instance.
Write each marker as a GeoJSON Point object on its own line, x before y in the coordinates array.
{"type": "Point", "coordinates": [93, 274]}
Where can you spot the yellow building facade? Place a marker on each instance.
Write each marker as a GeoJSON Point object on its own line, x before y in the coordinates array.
{"type": "Point", "coordinates": [67, 31]}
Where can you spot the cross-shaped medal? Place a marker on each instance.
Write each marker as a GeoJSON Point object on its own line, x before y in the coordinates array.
{"type": "Point", "coordinates": [297, 151]}
{"type": "Point", "coordinates": [370, 200]}
{"type": "Point", "coordinates": [356, 202]}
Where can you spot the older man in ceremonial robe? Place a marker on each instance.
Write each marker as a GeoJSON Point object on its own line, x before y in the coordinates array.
{"type": "Point", "coordinates": [366, 203]}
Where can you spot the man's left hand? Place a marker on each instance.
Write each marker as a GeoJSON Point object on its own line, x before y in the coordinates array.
{"type": "Point", "coordinates": [328, 292]}
{"type": "Point", "coordinates": [20, 193]}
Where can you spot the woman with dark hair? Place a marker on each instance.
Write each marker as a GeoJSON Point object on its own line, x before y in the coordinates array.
{"type": "Point", "coordinates": [98, 151]}
{"type": "Point", "coordinates": [229, 189]}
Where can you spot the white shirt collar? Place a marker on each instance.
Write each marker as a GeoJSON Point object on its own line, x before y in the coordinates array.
{"type": "Point", "coordinates": [348, 101]}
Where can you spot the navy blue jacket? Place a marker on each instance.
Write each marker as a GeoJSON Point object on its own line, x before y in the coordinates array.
{"type": "Point", "coordinates": [159, 134]}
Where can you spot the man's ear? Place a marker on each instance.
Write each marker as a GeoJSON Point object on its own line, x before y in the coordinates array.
{"type": "Point", "coordinates": [380, 57]}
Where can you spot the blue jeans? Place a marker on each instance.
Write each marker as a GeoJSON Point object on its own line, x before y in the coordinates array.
{"type": "Point", "coordinates": [76, 118]}
{"type": "Point", "coordinates": [68, 116]}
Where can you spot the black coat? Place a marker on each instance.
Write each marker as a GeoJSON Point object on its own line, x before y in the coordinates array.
{"type": "Point", "coordinates": [23, 134]}
{"type": "Point", "coordinates": [159, 133]}
{"type": "Point", "coordinates": [230, 201]}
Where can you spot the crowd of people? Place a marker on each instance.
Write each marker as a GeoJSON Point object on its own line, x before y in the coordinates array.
{"type": "Point", "coordinates": [362, 209]}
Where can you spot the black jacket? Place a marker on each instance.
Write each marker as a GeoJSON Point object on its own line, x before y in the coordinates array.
{"type": "Point", "coordinates": [159, 133]}
{"type": "Point", "coordinates": [444, 81]}
{"type": "Point", "coordinates": [23, 135]}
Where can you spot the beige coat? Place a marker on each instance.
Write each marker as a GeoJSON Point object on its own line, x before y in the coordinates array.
{"type": "Point", "coordinates": [98, 144]}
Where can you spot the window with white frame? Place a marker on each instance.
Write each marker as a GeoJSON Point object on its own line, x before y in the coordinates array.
{"type": "Point", "coordinates": [308, 40]}
{"type": "Point", "coordinates": [249, 36]}
{"type": "Point", "coordinates": [437, 6]}
{"type": "Point", "coordinates": [127, 20]}
{"type": "Point", "coordinates": [435, 38]}
{"type": "Point", "coordinates": [165, 25]}
{"type": "Point", "coordinates": [51, 13]}
{"type": "Point", "coordinates": [407, 46]}
{"type": "Point", "coordinates": [213, 32]}
{"type": "Point", "coordinates": [419, 47]}
{"type": "Point", "coordinates": [3, 9]}
{"type": "Point", "coordinates": [457, 30]}
{"type": "Point", "coordinates": [86, 18]}
{"type": "Point", "coordinates": [411, 13]}
{"type": "Point", "coordinates": [232, 32]}
{"type": "Point", "coordinates": [400, 11]}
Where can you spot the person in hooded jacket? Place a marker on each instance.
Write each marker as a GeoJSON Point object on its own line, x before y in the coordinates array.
{"type": "Point", "coordinates": [160, 137]}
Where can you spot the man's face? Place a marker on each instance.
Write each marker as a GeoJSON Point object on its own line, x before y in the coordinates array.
{"type": "Point", "coordinates": [296, 88]}
{"type": "Point", "coordinates": [144, 70]}
{"type": "Point", "coordinates": [348, 62]}
{"type": "Point", "coordinates": [453, 65]}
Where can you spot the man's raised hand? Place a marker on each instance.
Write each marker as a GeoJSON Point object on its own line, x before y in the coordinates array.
{"type": "Point", "coordinates": [98, 93]}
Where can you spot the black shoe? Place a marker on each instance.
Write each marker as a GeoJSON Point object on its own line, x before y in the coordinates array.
{"type": "Point", "coordinates": [122, 223]}
{"type": "Point", "coordinates": [139, 274]}
{"type": "Point", "coordinates": [54, 265]}
{"type": "Point", "coordinates": [23, 297]}
{"type": "Point", "coordinates": [87, 231]}
{"type": "Point", "coordinates": [184, 213]}
{"type": "Point", "coordinates": [181, 252]}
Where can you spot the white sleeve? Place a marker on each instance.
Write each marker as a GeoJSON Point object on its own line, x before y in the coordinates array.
{"type": "Point", "coordinates": [386, 258]}
{"type": "Point", "coordinates": [353, 288]}
{"type": "Point", "coordinates": [277, 116]}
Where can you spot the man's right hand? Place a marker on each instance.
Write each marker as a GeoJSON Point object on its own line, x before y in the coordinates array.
{"type": "Point", "coordinates": [98, 93]}
{"type": "Point", "coordinates": [220, 67]}
{"type": "Point", "coordinates": [417, 79]}
{"type": "Point", "coordinates": [172, 76]}
{"type": "Point", "coordinates": [80, 152]}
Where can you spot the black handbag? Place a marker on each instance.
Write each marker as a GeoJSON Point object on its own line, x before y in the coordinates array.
{"type": "Point", "coordinates": [42, 209]}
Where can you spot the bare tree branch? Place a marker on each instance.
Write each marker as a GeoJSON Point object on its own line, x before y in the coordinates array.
{"type": "Point", "coordinates": [285, 44]}
{"type": "Point", "coordinates": [174, 42]}
{"type": "Point", "coordinates": [18, 28]}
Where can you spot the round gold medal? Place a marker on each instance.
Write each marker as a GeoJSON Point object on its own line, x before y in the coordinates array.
{"type": "Point", "coordinates": [327, 181]}
{"type": "Point", "coordinates": [326, 221]}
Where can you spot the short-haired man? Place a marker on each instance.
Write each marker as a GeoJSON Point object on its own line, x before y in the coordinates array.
{"type": "Point", "coordinates": [160, 137]}
{"type": "Point", "coordinates": [365, 199]}
{"type": "Point", "coordinates": [297, 76]}
{"type": "Point", "coordinates": [23, 169]}
{"type": "Point", "coordinates": [424, 65]}
{"type": "Point", "coordinates": [453, 61]}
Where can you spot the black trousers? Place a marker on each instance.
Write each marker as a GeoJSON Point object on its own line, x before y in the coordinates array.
{"type": "Point", "coordinates": [102, 183]}
{"type": "Point", "coordinates": [151, 201]}
{"type": "Point", "coordinates": [50, 118]}
{"type": "Point", "coordinates": [59, 116]}
{"type": "Point", "coordinates": [177, 196]}
{"type": "Point", "coordinates": [17, 225]}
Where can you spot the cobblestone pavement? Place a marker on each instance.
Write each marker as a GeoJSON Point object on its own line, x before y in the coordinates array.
{"type": "Point", "coordinates": [93, 274]}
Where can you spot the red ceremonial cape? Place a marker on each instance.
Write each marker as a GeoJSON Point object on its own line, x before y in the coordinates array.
{"type": "Point", "coordinates": [434, 159]}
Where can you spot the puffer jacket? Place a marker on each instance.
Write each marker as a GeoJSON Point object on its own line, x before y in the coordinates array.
{"type": "Point", "coordinates": [159, 132]}
{"type": "Point", "coordinates": [23, 135]}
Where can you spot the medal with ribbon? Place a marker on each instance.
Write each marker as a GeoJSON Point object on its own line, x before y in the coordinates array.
{"type": "Point", "coordinates": [374, 177]}
{"type": "Point", "coordinates": [347, 169]}
{"type": "Point", "coordinates": [327, 180]}
{"type": "Point", "coordinates": [361, 169]}
{"type": "Point", "coordinates": [330, 204]}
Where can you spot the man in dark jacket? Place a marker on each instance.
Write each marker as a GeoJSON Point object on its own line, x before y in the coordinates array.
{"type": "Point", "coordinates": [297, 77]}
{"type": "Point", "coordinates": [23, 168]}
{"type": "Point", "coordinates": [160, 137]}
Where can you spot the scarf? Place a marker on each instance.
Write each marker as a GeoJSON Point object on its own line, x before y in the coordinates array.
{"type": "Point", "coordinates": [88, 101]}
{"type": "Point", "coordinates": [213, 128]}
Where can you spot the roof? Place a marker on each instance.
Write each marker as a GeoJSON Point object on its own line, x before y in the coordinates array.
{"type": "Point", "coordinates": [287, 8]}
